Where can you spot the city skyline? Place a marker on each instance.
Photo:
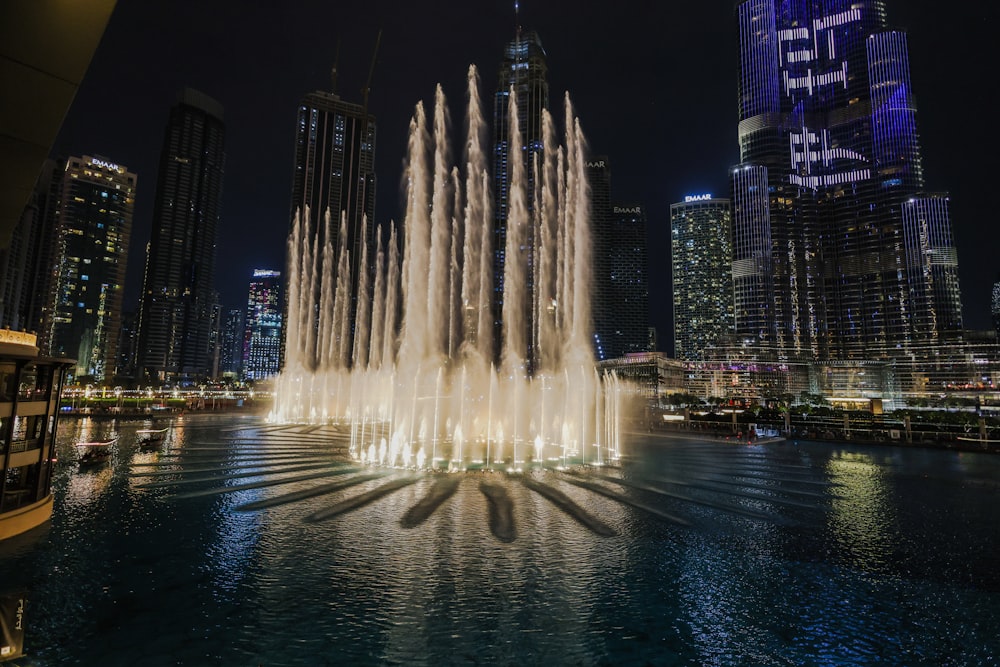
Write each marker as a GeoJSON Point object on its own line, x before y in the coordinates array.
{"type": "Point", "coordinates": [686, 120]}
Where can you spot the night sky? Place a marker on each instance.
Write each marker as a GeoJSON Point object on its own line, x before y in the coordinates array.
{"type": "Point", "coordinates": [654, 84]}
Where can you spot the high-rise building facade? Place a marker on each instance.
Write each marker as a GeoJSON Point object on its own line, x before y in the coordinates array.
{"type": "Point", "coordinates": [93, 225]}
{"type": "Point", "coordinates": [701, 262]}
{"type": "Point", "coordinates": [127, 339]}
{"type": "Point", "coordinates": [629, 282]}
{"type": "Point", "coordinates": [26, 262]}
{"type": "Point", "coordinates": [231, 343]}
{"type": "Point", "coordinates": [175, 317]}
{"type": "Point", "coordinates": [524, 69]}
{"type": "Point", "coordinates": [996, 306]}
{"type": "Point", "coordinates": [603, 307]}
{"type": "Point", "coordinates": [838, 251]}
{"type": "Point", "coordinates": [335, 171]}
{"type": "Point", "coordinates": [262, 338]}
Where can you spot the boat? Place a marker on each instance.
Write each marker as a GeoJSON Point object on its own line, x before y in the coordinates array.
{"type": "Point", "coordinates": [95, 453]}
{"type": "Point", "coordinates": [149, 437]}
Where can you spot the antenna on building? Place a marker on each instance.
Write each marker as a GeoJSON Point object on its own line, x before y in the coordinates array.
{"type": "Point", "coordinates": [517, 17]}
{"type": "Point", "coordinates": [371, 72]}
{"type": "Point", "coordinates": [333, 72]}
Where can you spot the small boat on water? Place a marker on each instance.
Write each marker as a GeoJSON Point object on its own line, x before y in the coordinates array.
{"type": "Point", "coordinates": [149, 437]}
{"type": "Point", "coordinates": [95, 453]}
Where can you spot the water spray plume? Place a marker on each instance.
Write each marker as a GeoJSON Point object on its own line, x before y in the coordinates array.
{"type": "Point", "coordinates": [424, 389]}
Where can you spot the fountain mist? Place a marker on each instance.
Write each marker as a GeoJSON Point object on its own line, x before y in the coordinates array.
{"type": "Point", "coordinates": [425, 389]}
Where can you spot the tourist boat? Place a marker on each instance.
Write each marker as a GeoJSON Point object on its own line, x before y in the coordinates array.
{"type": "Point", "coordinates": [95, 453]}
{"type": "Point", "coordinates": [149, 437]}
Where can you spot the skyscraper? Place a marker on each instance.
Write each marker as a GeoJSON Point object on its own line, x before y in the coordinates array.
{"type": "Point", "coordinates": [335, 172]}
{"type": "Point", "coordinates": [26, 262]}
{"type": "Point", "coordinates": [93, 225]}
{"type": "Point", "coordinates": [175, 317]}
{"type": "Point", "coordinates": [629, 281]}
{"type": "Point", "coordinates": [701, 255]}
{"type": "Point", "coordinates": [838, 252]}
{"type": "Point", "coordinates": [524, 70]}
{"type": "Point", "coordinates": [604, 308]}
{"type": "Point", "coordinates": [262, 338]}
{"type": "Point", "coordinates": [126, 348]}
{"type": "Point", "coordinates": [996, 306]}
{"type": "Point", "coordinates": [231, 343]}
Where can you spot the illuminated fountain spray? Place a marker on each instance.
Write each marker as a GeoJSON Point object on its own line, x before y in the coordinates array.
{"type": "Point", "coordinates": [419, 385]}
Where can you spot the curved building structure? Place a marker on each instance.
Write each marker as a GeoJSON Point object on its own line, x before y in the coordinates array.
{"type": "Point", "coordinates": [838, 251]}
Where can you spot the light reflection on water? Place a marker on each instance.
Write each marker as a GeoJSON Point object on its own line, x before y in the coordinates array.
{"type": "Point", "coordinates": [893, 563]}
{"type": "Point", "coordinates": [862, 516]}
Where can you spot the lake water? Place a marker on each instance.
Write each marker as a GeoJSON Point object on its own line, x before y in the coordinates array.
{"type": "Point", "coordinates": [721, 554]}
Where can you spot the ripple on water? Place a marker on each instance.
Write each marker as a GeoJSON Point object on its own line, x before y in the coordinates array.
{"type": "Point", "coordinates": [152, 577]}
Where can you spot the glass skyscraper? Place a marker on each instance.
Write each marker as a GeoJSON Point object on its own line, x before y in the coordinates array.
{"type": "Point", "coordinates": [262, 338]}
{"type": "Point", "coordinates": [525, 70]}
{"type": "Point", "coordinates": [27, 260]}
{"type": "Point", "coordinates": [701, 255]}
{"type": "Point", "coordinates": [335, 171]}
{"type": "Point", "coordinates": [996, 306]}
{"type": "Point", "coordinates": [231, 342]}
{"type": "Point", "coordinates": [628, 282]}
{"type": "Point", "coordinates": [178, 297]}
{"type": "Point", "coordinates": [93, 225]}
{"type": "Point", "coordinates": [838, 251]}
{"type": "Point", "coordinates": [619, 288]}
{"type": "Point", "coordinates": [603, 307]}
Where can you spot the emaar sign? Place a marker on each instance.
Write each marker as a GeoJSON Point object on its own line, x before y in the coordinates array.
{"type": "Point", "coordinates": [691, 198]}
{"type": "Point", "coordinates": [106, 165]}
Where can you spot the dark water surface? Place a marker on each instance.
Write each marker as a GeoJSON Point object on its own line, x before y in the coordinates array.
{"type": "Point", "coordinates": [780, 554]}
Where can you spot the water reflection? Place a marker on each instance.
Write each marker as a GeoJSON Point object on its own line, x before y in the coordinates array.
{"type": "Point", "coordinates": [862, 517]}
{"type": "Point", "coordinates": [222, 586]}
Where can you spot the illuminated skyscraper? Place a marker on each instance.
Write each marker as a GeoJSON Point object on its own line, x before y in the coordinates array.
{"type": "Point", "coordinates": [701, 252]}
{"type": "Point", "coordinates": [231, 342]}
{"type": "Point", "coordinates": [619, 289]}
{"type": "Point", "coordinates": [603, 306]}
{"type": "Point", "coordinates": [996, 306]}
{"type": "Point", "coordinates": [525, 69]}
{"type": "Point", "coordinates": [27, 260]}
{"type": "Point", "coordinates": [335, 171]}
{"type": "Point", "coordinates": [838, 252]}
{"type": "Point", "coordinates": [262, 337]}
{"type": "Point", "coordinates": [178, 297]}
{"type": "Point", "coordinates": [93, 225]}
{"type": "Point", "coordinates": [628, 282]}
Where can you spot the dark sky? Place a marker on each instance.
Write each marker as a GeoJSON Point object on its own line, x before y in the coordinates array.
{"type": "Point", "coordinates": [654, 84]}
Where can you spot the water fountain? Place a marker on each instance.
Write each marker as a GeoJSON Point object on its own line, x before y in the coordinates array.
{"type": "Point", "coordinates": [419, 386]}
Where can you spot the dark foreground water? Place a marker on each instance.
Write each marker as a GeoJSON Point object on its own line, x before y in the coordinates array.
{"type": "Point", "coordinates": [777, 554]}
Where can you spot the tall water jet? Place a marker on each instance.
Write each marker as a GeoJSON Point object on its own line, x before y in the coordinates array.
{"type": "Point", "coordinates": [425, 380]}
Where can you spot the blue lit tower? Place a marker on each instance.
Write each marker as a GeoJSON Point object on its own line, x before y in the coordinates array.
{"type": "Point", "coordinates": [178, 296]}
{"type": "Point", "coordinates": [701, 261]}
{"type": "Point", "coordinates": [262, 337]}
{"type": "Point", "coordinates": [838, 252]}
